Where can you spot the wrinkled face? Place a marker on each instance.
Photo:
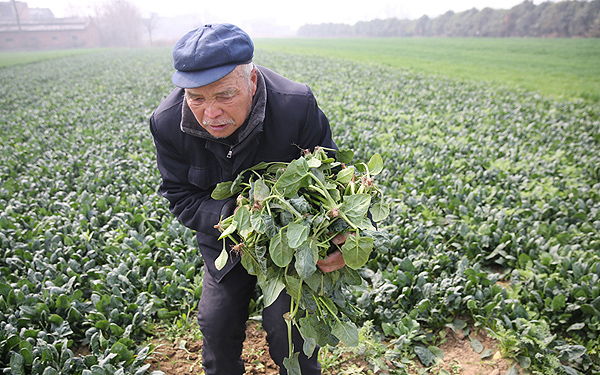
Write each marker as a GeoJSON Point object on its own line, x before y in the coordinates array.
{"type": "Point", "coordinates": [222, 106]}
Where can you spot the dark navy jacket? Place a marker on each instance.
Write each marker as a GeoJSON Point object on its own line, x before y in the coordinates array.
{"type": "Point", "coordinates": [284, 119]}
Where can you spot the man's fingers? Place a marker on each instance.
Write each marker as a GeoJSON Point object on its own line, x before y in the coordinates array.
{"type": "Point", "coordinates": [339, 239]}
{"type": "Point", "coordinates": [333, 262]}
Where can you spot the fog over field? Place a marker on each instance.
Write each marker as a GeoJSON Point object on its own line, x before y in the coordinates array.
{"type": "Point", "coordinates": [282, 17]}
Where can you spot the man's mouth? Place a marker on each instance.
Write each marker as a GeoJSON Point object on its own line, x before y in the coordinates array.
{"type": "Point", "coordinates": [218, 125]}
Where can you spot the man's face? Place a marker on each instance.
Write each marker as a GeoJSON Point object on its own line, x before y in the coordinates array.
{"type": "Point", "coordinates": [222, 106]}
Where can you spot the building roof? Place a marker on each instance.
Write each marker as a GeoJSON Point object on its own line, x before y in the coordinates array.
{"type": "Point", "coordinates": [41, 13]}
{"type": "Point", "coordinates": [58, 24]}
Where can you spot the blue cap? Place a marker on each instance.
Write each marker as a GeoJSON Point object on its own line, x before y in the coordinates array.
{"type": "Point", "coordinates": [209, 53]}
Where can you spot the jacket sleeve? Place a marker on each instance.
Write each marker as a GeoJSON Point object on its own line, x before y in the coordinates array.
{"type": "Point", "coordinates": [317, 131]}
{"type": "Point", "coordinates": [192, 205]}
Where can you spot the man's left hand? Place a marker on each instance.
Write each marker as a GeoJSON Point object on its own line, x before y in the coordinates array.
{"type": "Point", "coordinates": [335, 260]}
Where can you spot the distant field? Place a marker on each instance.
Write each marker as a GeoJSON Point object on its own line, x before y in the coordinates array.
{"type": "Point", "coordinates": [555, 67]}
{"type": "Point", "coordinates": [19, 58]}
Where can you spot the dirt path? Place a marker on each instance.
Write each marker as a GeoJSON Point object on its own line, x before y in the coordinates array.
{"type": "Point", "coordinates": [183, 357]}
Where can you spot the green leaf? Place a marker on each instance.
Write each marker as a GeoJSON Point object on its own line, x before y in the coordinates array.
{"type": "Point", "coordinates": [261, 165]}
{"type": "Point", "coordinates": [309, 346]}
{"type": "Point", "coordinates": [356, 251]}
{"type": "Point", "coordinates": [242, 218]}
{"type": "Point", "coordinates": [329, 305]}
{"type": "Point", "coordinates": [229, 230]}
{"type": "Point", "coordinates": [306, 263]}
{"type": "Point", "coordinates": [345, 175]}
{"type": "Point", "coordinates": [346, 332]}
{"type": "Point", "coordinates": [571, 352]}
{"type": "Point", "coordinates": [559, 302]}
{"type": "Point", "coordinates": [292, 365]}
{"type": "Point", "coordinates": [63, 302]}
{"type": "Point", "coordinates": [344, 156]}
{"type": "Point", "coordinates": [576, 327]}
{"type": "Point", "coordinates": [141, 356]}
{"type": "Point", "coordinates": [27, 355]}
{"type": "Point", "coordinates": [271, 229]}
{"type": "Point", "coordinates": [314, 163]}
{"type": "Point", "coordinates": [375, 165]}
{"type": "Point", "coordinates": [425, 356]}
{"type": "Point", "coordinates": [163, 314]}
{"type": "Point", "coordinates": [293, 285]}
{"type": "Point", "coordinates": [297, 234]}
{"type": "Point", "coordinates": [309, 334]}
{"type": "Point", "coordinates": [355, 207]}
{"type": "Point", "coordinates": [351, 276]}
{"type": "Point", "coordinates": [314, 281]}
{"type": "Point", "coordinates": [116, 330]}
{"type": "Point", "coordinates": [457, 324]}
{"type": "Point", "coordinates": [260, 190]}
{"type": "Point", "coordinates": [486, 354]}
{"type": "Point", "coordinates": [50, 371]}
{"type": "Point", "coordinates": [271, 288]}
{"type": "Point", "coordinates": [300, 204]}
{"type": "Point", "coordinates": [237, 183]}
{"type": "Point", "coordinates": [437, 352]}
{"type": "Point", "coordinates": [102, 324]}
{"type": "Point", "coordinates": [221, 260]}
{"type": "Point", "coordinates": [257, 222]}
{"type": "Point", "coordinates": [380, 210]}
{"type": "Point", "coordinates": [279, 250]}
{"type": "Point", "coordinates": [294, 177]}
{"type": "Point", "coordinates": [56, 319]}
{"type": "Point", "coordinates": [523, 361]}
{"type": "Point", "coordinates": [222, 190]}
{"type": "Point", "coordinates": [122, 352]}
{"type": "Point", "coordinates": [17, 364]}
{"type": "Point", "coordinates": [250, 264]}
{"type": "Point", "coordinates": [477, 346]}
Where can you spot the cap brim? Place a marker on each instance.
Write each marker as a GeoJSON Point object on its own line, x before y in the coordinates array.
{"type": "Point", "coordinates": [199, 78]}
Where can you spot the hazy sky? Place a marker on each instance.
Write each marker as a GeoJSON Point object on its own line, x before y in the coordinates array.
{"type": "Point", "coordinates": [284, 13]}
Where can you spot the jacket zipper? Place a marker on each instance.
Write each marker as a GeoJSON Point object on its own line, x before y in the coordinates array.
{"type": "Point", "coordinates": [230, 152]}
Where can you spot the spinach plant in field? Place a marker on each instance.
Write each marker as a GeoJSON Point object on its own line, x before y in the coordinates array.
{"type": "Point", "coordinates": [286, 216]}
{"type": "Point", "coordinates": [495, 216]}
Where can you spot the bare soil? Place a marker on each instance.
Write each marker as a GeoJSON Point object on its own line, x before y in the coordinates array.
{"type": "Point", "coordinates": [461, 358]}
{"type": "Point", "coordinates": [183, 357]}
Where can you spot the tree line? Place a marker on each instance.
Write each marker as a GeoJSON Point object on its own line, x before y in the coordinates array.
{"type": "Point", "coordinates": [563, 19]}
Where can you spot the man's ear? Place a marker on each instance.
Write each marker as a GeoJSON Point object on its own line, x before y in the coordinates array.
{"type": "Point", "coordinates": [254, 80]}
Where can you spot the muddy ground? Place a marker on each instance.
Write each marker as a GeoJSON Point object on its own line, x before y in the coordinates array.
{"type": "Point", "coordinates": [183, 357]}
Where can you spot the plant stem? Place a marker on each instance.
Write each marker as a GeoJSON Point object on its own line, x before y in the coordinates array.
{"type": "Point", "coordinates": [288, 322]}
{"type": "Point", "coordinates": [285, 203]}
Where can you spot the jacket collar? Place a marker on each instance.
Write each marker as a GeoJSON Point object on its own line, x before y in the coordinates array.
{"type": "Point", "coordinates": [254, 121]}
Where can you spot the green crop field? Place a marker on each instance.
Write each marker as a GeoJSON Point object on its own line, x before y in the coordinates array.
{"type": "Point", "coordinates": [556, 67]}
{"type": "Point", "coordinates": [495, 214]}
{"type": "Point", "coordinates": [19, 58]}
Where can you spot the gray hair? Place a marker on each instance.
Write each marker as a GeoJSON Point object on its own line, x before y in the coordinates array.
{"type": "Point", "coordinates": [246, 71]}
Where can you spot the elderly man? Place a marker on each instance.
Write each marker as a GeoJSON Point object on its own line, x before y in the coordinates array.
{"type": "Point", "coordinates": [226, 115]}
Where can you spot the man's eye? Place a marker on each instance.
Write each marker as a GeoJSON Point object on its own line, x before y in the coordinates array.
{"type": "Point", "coordinates": [225, 98]}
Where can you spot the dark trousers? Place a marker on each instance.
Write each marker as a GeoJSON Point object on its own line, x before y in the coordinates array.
{"type": "Point", "coordinates": [222, 316]}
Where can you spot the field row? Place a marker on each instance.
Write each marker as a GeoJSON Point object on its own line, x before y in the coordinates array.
{"type": "Point", "coordinates": [495, 197]}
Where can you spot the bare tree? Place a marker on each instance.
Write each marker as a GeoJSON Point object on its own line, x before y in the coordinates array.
{"type": "Point", "coordinates": [120, 24]}
{"type": "Point", "coordinates": [18, 19]}
{"type": "Point", "coordinates": [150, 24]}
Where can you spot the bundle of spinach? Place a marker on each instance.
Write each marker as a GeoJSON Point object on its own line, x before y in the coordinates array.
{"type": "Point", "coordinates": [286, 216]}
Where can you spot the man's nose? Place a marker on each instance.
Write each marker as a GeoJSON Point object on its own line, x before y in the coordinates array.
{"type": "Point", "coordinates": [212, 110]}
